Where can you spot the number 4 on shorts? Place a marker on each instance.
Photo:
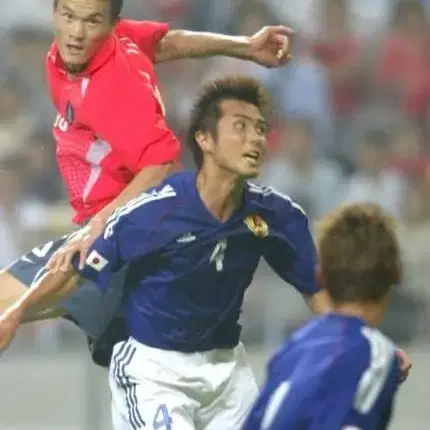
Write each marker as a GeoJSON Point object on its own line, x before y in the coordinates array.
{"type": "Point", "coordinates": [162, 419]}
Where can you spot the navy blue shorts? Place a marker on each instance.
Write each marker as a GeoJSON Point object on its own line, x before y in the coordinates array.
{"type": "Point", "coordinates": [97, 314]}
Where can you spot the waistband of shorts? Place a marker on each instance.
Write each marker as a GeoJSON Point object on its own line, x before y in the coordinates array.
{"type": "Point", "coordinates": [191, 358]}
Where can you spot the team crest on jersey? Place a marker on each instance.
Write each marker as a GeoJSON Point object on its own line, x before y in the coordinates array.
{"type": "Point", "coordinates": [70, 113]}
{"type": "Point", "coordinates": [257, 225]}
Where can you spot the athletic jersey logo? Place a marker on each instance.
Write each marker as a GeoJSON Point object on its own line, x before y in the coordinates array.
{"type": "Point", "coordinates": [257, 225]}
{"type": "Point", "coordinates": [96, 261]}
{"type": "Point", "coordinates": [70, 113]}
{"type": "Point", "coordinates": [186, 238]}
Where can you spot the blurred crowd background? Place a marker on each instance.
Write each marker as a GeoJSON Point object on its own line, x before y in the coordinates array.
{"type": "Point", "coordinates": [351, 117]}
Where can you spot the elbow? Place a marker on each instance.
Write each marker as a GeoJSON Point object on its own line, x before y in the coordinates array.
{"type": "Point", "coordinates": [169, 47]}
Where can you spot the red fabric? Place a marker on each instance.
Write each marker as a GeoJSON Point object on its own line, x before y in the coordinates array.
{"type": "Point", "coordinates": [414, 167]}
{"type": "Point", "coordinates": [146, 34]}
{"type": "Point", "coordinates": [345, 95]}
{"type": "Point", "coordinates": [117, 125]}
{"type": "Point", "coordinates": [405, 63]}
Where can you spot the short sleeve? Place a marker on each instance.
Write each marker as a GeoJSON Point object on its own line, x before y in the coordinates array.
{"type": "Point", "coordinates": [146, 34]}
{"type": "Point", "coordinates": [292, 254]}
{"type": "Point", "coordinates": [131, 233]}
{"type": "Point", "coordinates": [109, 253]}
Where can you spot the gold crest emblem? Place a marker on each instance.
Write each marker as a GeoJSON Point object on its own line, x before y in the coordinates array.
{"type": "Point", "coordinates": [257, 225]}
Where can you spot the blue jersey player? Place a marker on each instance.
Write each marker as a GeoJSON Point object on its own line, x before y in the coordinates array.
{"type": "Point", "coordinates": [191, 247]}
{"type": "Point", "coordinates": [339, 372]}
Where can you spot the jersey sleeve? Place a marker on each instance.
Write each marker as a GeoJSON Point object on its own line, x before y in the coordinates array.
{"type": "Point", "coordinates": [130, 234]}
{"type": "Point", "coordinates": [292, 254]}
{"type": "Point", "coordinates": [145, 34]}
{"type": "Point", "coordinates": [129, 119]}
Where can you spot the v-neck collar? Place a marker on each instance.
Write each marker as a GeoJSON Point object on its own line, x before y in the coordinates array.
{"type": "Point", "coordinates": [203, 209]}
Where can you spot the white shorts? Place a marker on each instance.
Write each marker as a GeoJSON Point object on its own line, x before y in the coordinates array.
{"type": "Point", "coordinates": [154, 389]}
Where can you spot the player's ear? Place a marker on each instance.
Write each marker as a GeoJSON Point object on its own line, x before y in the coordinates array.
{"type": "Point", "coordinates": [204, 140]}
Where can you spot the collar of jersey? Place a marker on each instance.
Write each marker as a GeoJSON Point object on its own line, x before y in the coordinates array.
{"type": "Point", "coordinates": [100, 58]}
{"type": "Point", "coordinates": [250, 205]}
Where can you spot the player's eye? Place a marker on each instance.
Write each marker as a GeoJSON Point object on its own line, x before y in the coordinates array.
{"type": "Point", "coordinates": [262, 129]}
{"type": "Point", "coordinates": [240, 125]}
{"type": "Point", "coordinates": [94, 21]}
{"type": "Point", "coordinates": [67, 16]}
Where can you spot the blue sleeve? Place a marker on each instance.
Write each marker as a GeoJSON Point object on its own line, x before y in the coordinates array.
{"type": "Point", "coordinates": [119, 244]}
{"type": "Point", "coordinates": [131, 233]}
{"type": "Point", "coordinates": [291, 253]}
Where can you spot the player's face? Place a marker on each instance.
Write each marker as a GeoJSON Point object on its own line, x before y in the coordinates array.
{"type": "Point", "coordinates": [241, 142]}
{"type": "Point", "coordinates": [80, 27]}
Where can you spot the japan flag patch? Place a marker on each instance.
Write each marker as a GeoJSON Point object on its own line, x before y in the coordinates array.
{"type": "Point", "coordinates": [96, 261]}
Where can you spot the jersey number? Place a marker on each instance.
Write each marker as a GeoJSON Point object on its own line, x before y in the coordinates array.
{"type": "Point", "coordinates": [162, 419]}
{"type": "Point", "coordinates": [218, 255]}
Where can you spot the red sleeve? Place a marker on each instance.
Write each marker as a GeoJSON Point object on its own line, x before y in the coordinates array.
{"type": "Point", "coordinates": [146, 34]}
{"type": "Point", "coordinates": [127, 116]}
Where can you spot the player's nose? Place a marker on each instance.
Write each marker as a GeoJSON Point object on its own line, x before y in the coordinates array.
{"type": "Point", "coordinates": [77, 31]}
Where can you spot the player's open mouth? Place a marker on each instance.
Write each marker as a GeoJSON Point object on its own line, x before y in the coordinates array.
{"type": "Point", "coordinates": [74, 49]}
{"type": "Point", "coordinates": [253, 157]}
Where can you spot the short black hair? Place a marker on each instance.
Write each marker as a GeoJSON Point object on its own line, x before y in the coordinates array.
{"type": "Point", "coordinates": [206, 110]}
{"type": "Point", "coordinates": [358, 254]}
{"type": "Point", "coordinates": [115, 8]}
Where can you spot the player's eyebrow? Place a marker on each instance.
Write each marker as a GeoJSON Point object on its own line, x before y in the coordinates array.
{"type": "Point", "coordinates": [93, 15]}
{"type": "Point", "coordinates": [249, 118]}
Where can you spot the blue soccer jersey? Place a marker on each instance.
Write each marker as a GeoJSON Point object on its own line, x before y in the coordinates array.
{"type": "Point", "coordinates": [336, 373]}
{"type": "Point", "coordinates": [188, 271]}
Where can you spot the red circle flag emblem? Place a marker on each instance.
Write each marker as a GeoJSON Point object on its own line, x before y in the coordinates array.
{"type": "Point", "coordinates": [257, 225]}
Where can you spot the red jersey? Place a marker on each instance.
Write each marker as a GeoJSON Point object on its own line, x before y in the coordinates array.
{"type": "Point", "coordinates": [110, 121]}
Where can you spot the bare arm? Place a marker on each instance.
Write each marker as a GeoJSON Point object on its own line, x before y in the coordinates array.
{"type": "Point", "coordinates": [41, 295]}
{"type": "Point", "coordinates": [179, 44]}
{"type": "Point", "coordinates": [268, 47]}
{"type": "Point", "coordinates": [148, 177]}
{"type": "Point", "coordinates": [189, 44]}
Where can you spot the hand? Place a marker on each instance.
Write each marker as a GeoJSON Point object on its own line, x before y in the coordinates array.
{"type": "Point", "coordinates": [79, 243]}
{"type": "Point", "coordinates": [270, 46]}
{"type": "Point", "coordinates": [9, 324]}
{"type": "Point", "coordinates": [405, 365]}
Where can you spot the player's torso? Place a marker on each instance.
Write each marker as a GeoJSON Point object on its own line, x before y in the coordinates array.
{"type": "Point", "coordinates": [196, 283]}
{"type": "Point", "coordinates": [92, 168]}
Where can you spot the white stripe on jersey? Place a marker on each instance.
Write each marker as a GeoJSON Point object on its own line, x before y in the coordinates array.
{"type": "Point", "coordinates": [267, 191]}
{"type": "Point", "coordinates": [382, 354]}
{"type": "Point", "coordinates": [166, 192]}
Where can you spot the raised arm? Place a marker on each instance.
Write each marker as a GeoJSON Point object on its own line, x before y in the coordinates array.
{"type": "Point", "coordinates": [268, 47]}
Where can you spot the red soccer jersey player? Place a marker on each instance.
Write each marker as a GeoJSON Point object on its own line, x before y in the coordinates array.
{"type": "Point", "coordinates": [112, 139]}
{"type": "Point", "coordinates": [110, 122]}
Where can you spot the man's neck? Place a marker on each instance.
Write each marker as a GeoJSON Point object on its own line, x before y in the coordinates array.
{"type": "Point", "coordinates": [372, 313]}
{"type": "Point", "coordinates": [220, 191]}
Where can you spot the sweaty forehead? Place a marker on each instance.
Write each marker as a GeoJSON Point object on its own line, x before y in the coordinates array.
{"type": "Point", "coordinates": [86, 7]}
{"type": "Point", "coordinates": [239, 108]}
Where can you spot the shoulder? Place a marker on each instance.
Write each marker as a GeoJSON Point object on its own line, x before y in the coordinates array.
{"type": "Point", "coordinates": [274, 200]}
{"type": "Point", "coordinates": [368, 354]}
{"type": "Point", "coordinates": [168, 191]}
{"type": "Point", "coordinates": [145, 209]}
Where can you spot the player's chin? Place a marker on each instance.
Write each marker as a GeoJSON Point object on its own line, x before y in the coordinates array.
{"type": "Point", "coordinates": [248, 172]}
